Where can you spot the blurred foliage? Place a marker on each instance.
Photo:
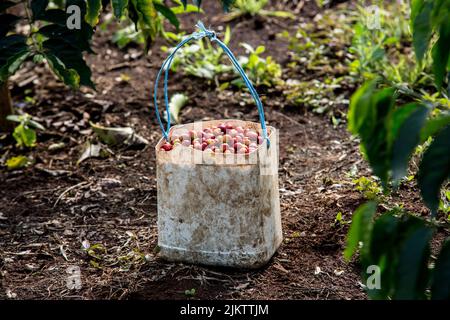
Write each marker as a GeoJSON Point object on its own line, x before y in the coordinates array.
{"type": "Point", "coordinates": [317, 77]}
{"type": "Point", "coordinates": [388, 53]}
{"type": "Point", "coordinates": [261, 71]}
{"type": "Point", "coordinates": [254, 7]}
{"type": "Point", "coordinates": [126, 32]}
{"type": "Point", "coordinates": [203, 59]}
{"type": "Point", "coordinates": [397, 242]}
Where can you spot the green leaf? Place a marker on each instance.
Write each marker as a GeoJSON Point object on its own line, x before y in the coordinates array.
{"type": "Point", "coordinates": [422, 29]}
{"type": "Point", "coordinates": [13, 64]}
{"type": "Point", "coordinates": [74, 38]}
{"type": "Point", "coordinates": [368, 117]}
{"type": "Point", "coordinates": [57, 16]}
{"type": "Point", "coordinates": [71, 58]}
{"type": "Point", "coordinates": [168, 14]}
{"type": "Point", "coordinates": [7, 23]}
{"type": "Point", "coordinates": [93, 10]}
{"type": "Point", "coordinates": [25, 136]}
{"type": "Point", "coordinates": [360, 229]}
{"type": "Point", "coordinates": [374, 143]}
{"type": "Point", "coordinates": [433, 126]}
{"type": "Point", "coordinates": [434, 169]}
{"type": "Point", "coordinates": [13, 51]}
{"type": "Point", "coordinates": [416, 7]}
{"type": "Point", "coordinates": [440, 288]}
{"type": "Point", "coordinates": [360, 112]}
{"type": "Point", "coordinates": [177, 102]}
{"type": "Point", "coordinates": [412, 269]}
{"type": "Point", "coordinates": [6, 4]}
{"type": "Point", "coordinates": [17, 162]}
{"type": "Point", "coordinates": [406, 138]}
{"type": "Point", "coordinates": [188, 9]}
{"type": "Point", "coordinates": [69, 76]}
{"type": "Point", "coordinates": [119, 7]}
{"type": "Point", "coordinates": [38, 8]}
{"type": "Point", "coordinates": [145, 9]}
{"type": "Point", "coordinates": [441, 10]}
{"type": "Point", "coordinates": [226, 4]}
{"type": "Point", "coordinates": [381, 253]}
{"type": "Point", "coordinates": [441, 54]}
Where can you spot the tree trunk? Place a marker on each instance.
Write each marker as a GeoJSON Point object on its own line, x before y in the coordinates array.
{"type": "Point", "coordinates": [5, 108]}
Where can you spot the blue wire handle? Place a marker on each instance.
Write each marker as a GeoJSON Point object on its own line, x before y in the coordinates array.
{"type": "Point", "coordinates": [203, 33]}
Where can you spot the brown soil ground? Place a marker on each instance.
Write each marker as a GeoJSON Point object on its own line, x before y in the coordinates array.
{"type": "Point", "coordinates": [48, 209]}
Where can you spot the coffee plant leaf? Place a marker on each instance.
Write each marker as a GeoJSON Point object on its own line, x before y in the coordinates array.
{"type": "Point", "coordinates": [406, 137]}
{"type": "Point", "coordinates": [13, 52]}
{"type": "Point", "coordinates": [38, 8]}
{"type": "Point", "coordinates": [440, 287]}
{"type": "Point", "coordinates": [381, 253]}
{"type": "Point", "coordinates": [422, 29]}
{"type": "Point", "coordinates": [360, 229]}
{"type": "Point", "coordinates": [7, 23]}
{"type": "Point", "coordinates": [71, 37]}
{"type": "Point", "coordinates": [71, 57]}
{"type": "Point", "coordinates": [168, 14]}
{"type": "Point", "coordinates": [119, 7]}
{"type": "Point", "coordinates": [69, 76]}
{"type": "Point", "coordinates": [441, 53]}
{"type": "Point", "coordinates": [433, 126]}
{"type": "Point", "coordinates": [434, 169]}
{"type": "Point", "coordinates": [93, 9]}
{"type": "Point", "coordinates": [6, 4]}
{"type": "Point", "coordinates": [411, 277]}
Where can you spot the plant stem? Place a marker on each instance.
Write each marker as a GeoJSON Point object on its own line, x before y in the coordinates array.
{"type": "Point", "coordinates": [27, 6]}
{"type": "Point", "coordinates": [5, 108]}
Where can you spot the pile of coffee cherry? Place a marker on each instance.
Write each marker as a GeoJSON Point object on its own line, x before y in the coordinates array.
{"type": "Point", "coordinates": [224, 138]}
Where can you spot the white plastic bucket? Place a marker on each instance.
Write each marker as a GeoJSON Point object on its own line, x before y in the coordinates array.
{"type": "Point", "coordinates": [218, 209]}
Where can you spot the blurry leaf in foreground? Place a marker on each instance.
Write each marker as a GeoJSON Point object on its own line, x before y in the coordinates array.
{"type": "Point", "coordinates": [434, 169]}
{"type": "Point", "coordinates": [120, 136]}
{"type": "Point", "coordinates": [177, 102]}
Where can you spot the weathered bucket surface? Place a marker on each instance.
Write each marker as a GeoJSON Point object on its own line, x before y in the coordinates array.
{"type": "Point", "coordinates": [219, 209]}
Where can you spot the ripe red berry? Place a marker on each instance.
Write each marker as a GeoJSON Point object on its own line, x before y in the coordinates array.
{"type": "Point", "coordinates": [197, 146]}
{"type": "Point", "coordinates": [223, 127]}
{"type": "Point", "coordinates": [242, 150]}
{"type": "Point", "coordinates": [166, 147]}
{"type": "Point", "coordinates": [225, 147]}
{"type": "Point", "coordinates": [252, 135]}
